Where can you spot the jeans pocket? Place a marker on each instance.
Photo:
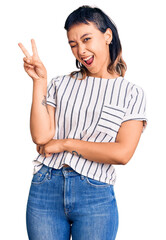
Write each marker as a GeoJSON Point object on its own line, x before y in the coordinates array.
{"type": "Point", "coordinates": [96, 183]}
{"type": "Point", "coordinates": [39, 177]}
{"type": "Point", "coordinates": [111, 119]}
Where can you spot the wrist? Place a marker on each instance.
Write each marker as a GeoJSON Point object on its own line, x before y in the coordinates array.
{"type": "Point", "coordinates": [67, 144]}
{"type": "Point", "coordinates": [40, 81]}
{"type": "Point", "coordinates": [40, 86]}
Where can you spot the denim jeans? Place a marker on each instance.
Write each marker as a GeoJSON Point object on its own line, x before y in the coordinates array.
{"type": "Point", "coordinates": [63, 203]}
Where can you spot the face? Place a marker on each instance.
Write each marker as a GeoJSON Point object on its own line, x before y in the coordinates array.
{"type": "Point", "coordinates": [91, 48]}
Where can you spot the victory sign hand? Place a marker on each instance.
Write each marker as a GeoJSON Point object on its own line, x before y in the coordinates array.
{"type": "Point", "coordinates": [32, 64]}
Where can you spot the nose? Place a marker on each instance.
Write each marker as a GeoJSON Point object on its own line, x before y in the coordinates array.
{"type": "Point", "coordinates": [81, 49]}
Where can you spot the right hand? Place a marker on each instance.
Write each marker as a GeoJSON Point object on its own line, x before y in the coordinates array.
{"type": "Point", "coordinates": [40, 149]}
{"type": "Point", "coordinates": [34, 67]}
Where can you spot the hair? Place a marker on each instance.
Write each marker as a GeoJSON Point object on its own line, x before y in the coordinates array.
{"type": "Point", "coordinates": [86, 14]}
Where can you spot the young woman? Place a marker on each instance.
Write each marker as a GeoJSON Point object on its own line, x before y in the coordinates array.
{"type": "Point", "coordinates": [83, 123]}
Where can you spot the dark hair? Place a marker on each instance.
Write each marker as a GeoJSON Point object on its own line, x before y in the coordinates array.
{"type": "Point", "coordinates": [87, 14]}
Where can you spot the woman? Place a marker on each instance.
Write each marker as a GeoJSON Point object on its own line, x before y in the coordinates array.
{"type": "Point", "coordinates": [90, 120]}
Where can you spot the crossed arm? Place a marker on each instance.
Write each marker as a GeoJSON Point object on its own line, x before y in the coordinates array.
{"type": "Point", "coordinates": [118, 152]}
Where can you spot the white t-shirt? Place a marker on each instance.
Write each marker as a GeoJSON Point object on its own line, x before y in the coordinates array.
{"type": "Point", "coordinates": [92, 110]}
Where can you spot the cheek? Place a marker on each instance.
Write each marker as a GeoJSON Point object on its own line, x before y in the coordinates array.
{"type": "Point", "coordinates": [98, 48]}
{"type": "Point", "coordinates": [103, 48]}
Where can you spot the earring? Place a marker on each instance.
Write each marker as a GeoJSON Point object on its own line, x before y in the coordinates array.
{"type": "Point", "coordinates": [109, 42]}
{"type": "Point", "coordinates": [80, 65]}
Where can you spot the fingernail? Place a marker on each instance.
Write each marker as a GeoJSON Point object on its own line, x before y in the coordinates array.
{"type": "Point", "coordinates": [28, 61]}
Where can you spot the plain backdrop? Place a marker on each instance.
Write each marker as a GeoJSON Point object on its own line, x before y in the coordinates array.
{"type": "Point", "coordinates": [140, 186]}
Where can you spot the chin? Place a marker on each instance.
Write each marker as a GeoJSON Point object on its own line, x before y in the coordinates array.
{"type": "Point", "coordinates": [95, 73]}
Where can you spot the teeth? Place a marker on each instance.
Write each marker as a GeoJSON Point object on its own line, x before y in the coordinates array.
{"type": "Point", "coordinates": [85, 59]}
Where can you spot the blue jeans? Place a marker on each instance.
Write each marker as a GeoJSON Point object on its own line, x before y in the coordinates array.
{"type": "Point", "coordinates": [63, 203]}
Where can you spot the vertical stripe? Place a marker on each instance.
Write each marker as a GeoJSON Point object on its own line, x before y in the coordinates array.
{"type": "Point", "coordinates": [113, 90]}
{"type": "Point", "coordinates": [119, 92]}
{"type": "Point", "coordinates": [124, 102]}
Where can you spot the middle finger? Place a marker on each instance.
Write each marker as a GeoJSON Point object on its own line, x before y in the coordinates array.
{"type": "Point", "coordinates": [34, 48]}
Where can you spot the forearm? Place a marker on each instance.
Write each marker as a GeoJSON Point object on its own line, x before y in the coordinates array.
{"type": "Point", "coordinates": [39, 118]}
{"type": "Point", "coordinates": [108, 153]}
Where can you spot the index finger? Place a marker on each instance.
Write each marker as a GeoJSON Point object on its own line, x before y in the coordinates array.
{"type": "Point", "coordinates": [26, 53]}
{"type": "Point", "coordinates": [34, 48]}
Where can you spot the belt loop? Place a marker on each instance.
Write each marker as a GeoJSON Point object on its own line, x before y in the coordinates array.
{"type": "Point", "coordinates": [49, 173]}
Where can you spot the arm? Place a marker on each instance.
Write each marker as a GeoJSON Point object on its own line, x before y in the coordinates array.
{"type": "Point", "coordinates": [41, 119]}
{"type": "Point", "coordinates": [41, 127]}
{"type": "Point", "coordinates": [119, 152]}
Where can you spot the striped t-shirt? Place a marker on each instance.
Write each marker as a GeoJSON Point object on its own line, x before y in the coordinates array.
{"type": "Point", "coordinates": [92, 110]}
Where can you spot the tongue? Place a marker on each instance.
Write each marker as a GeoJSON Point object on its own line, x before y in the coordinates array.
{"type": "Point", "coordinates": [90, 60]}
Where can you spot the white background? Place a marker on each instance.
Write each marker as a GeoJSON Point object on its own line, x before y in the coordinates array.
{"type": "Point", "coordinates": [140, 186]}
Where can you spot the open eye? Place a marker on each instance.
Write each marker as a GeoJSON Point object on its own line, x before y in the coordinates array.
{"type": "Point", "coordinates": [86, 39]}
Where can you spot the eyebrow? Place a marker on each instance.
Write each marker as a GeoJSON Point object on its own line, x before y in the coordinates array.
{"type": "Point", "coordinates": [81, 36]}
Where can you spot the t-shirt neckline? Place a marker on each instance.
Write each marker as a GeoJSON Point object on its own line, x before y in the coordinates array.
{"type": "Point", "coordinates": [91, 77]}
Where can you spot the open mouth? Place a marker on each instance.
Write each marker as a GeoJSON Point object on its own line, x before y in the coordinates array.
{"type": "Point", "coordinates": [89, 60]}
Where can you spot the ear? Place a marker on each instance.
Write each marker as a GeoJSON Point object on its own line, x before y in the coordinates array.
{"type": "Point", "coordinates": [108, 36]}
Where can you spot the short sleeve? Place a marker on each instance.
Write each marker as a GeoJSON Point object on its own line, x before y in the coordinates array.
{"type": "Point", "coordinates": [136, 106]}
{"type": "Point", "coordinates": [52, 92]}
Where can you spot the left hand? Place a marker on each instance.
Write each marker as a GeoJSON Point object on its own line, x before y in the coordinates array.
{"type": "Point", "coordinates": [53, 146]}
